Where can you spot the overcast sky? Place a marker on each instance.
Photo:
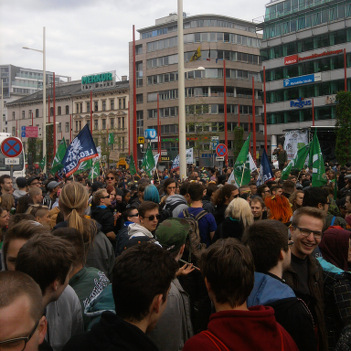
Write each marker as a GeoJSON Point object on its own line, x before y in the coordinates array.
{"type": "Point", "coordinates": [91, 36]}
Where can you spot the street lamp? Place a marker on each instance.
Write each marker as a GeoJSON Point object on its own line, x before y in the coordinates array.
{"type": "Point", "coordinates": [44, 94]}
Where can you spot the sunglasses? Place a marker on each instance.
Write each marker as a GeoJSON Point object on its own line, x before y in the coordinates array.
{"type": "Point", "coordinates": [152, 217]}
{"type": "Point", "coordinates": [106, 197]}
{"type": "Point", "coordinates": [110, 178]}
{"type": "Point", "coordinates": [135, 215]}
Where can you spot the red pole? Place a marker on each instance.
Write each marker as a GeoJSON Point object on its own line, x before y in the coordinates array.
{"type": "Point", "coordinates": [265, 108]}
{"type": "Point", "coordinates": [54, 105]}
{"type": "Point", "coordinates": [135, 150]}
{"type": "Point", "coordinates": [313, 112]}
{"type": "Point", "coordinates": [128, 128]}
{"type": "Point", "coordinates": [238, 115]}
{"type": "Point", "coordinates": [249, 130]}
{"type": "Point", "coordinates": [253, 119]}
{"type": "Point", "coordinates": [345, 72]}
{"type": "Point", "coordinates": [70, 128]}
{"type": "Point", "coordinates": [16, 127]}
{"type": "Point", "coordinates": [49, 109]}
{"type": "Point", "coordinates": [91, 112]}
{"type": "Point", "coordinates": [225, 113]}
{"type": "Point", "coordinates": [158, 126]}
{"type": "Point", "coordinates": [32, 119]}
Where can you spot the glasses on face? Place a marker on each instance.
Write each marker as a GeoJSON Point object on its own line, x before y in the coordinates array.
{"type": "Point", "coordinates": [307, 232]}
{"type": "Point", "coordinates": [267, 191]}
{"type": "Point", "coordinates": [134, 215]}
{"type": "Point", "coordinates": [110, 178]}
{"type": "Point", "coordinates": [152, 217]}
{"type": "Point", "coordinates": [18, 344]}
{"type": "Point", "coordinates": [106, 197]}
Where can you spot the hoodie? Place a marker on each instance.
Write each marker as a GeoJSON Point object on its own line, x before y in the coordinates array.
{"type": "Point", "coordinates": [135, 230]}
{"type": "Point", "coordinates": [172, 200]}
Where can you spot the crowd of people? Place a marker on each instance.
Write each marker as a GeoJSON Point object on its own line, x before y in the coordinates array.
{"type": "Point", "coordinates": [132, 263]}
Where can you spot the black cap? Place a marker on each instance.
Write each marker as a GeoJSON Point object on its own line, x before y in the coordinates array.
{"type": "Point", "coordinates": [31, 179]}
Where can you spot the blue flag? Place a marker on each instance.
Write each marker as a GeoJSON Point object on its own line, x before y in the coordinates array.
{"type": "Point", "coordinates": [266, 173]}
{"type": "Point", "coordinates": [81, 149]}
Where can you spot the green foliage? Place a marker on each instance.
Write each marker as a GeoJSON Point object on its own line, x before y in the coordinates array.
{"type": "Point", "coordinates": [238, 140]}
{"type": "Point", "coordinates": [343, 127]}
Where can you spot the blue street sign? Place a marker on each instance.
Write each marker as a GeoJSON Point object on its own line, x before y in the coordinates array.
{"type": "Point", "coordinates": [23, 134]}
{"type": "Point", "coordinates": [23, 128]}
{"type": "Point", "coordinates": [150, 133]}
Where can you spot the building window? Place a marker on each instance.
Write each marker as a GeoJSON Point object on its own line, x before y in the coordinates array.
{"type": "Point", "coordinates": [67, 109]}
{"type": "Point", "coordinates": [37, 113]}
{"type": "Point", "coordinates": [59, 129]}
{"type": "Point", "coordinates": [13, 131]}
{"type": "Point", "coordinates": [124, 103]}
{"type": "Point", "coordinates": [51, 111]}
{"type": "Point", "coordinates": [66, 127]}
{"type": "Point", "coordinates": [88, 107]}
{"type": "Point", "coordinates": [30, 114]}
{"type": "Point", "coordinates": [59, 110]}
{"type": "Point", "coordinates": [123, 140]}
{"type": "Point", "coordinates": [23, 114]}
{"type": "Point", "coordinates": [104, 124]}
{"type": "Point", "coordinates": [13, 115]}
{"type": "Point", "coordinates": [139, 98]}
{"type": "Point", "coordinates": [76, 126]}
{"type": "Point", "coordinates": [119, 122]}
{"type": "Point", "coordinates": [122, 122]}
{"type": "Point", "coordinates": [79, 107]}
{"type": "Point", "coordinates": [112, 123]}
{"type": "Point", "coordinates": [112, 103]}
{"type": "Point", "coordinates": [96, 124]}
{"type": "Point", "coordinates": [96, 106]}
{"type": "Point", "coordinates": [103, 105]}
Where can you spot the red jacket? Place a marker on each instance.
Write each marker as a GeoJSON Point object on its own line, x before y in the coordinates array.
{"type": "Point", "coordinates": [255, 329]}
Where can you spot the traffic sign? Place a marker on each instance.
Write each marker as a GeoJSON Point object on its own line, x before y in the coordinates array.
{"type": "Point", "coordinates": [221, 150]}
{"type": "Point", "coordinates": [12, 161]}
{"type": "Point", "coordinates": [214, 144]}
{"type": "Point", "coordinates": [11, 147]}
{"type": "Point", "coordinates": [150, 133]}
{"type": "Point", "coordinates": [141, 140]}
{"type": "Point", "coordinates": [220, 158]}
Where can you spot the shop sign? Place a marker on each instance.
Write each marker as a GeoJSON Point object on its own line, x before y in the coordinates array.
{"type": "Point", "coordinates": [98, 81]}
{"type": "Point", "coordinates": [300, 103]}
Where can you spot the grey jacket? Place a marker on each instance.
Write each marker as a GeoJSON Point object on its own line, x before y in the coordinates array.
{"type": "Point", "coordinates": [174, 327]}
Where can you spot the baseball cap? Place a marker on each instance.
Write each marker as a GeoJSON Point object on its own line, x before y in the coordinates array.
{"type": "Point", "coordinates": [172, 233]}
{"type": "Point", "coordinates": [52, 185]}
{"type": "Point", "coordinates": [31, 179]}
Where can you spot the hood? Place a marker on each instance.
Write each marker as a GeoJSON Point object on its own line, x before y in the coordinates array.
{"type": "Point", "coordinates": [175, 198]}
{"type": "Point", "coordinates": [267, 290]}
{"type": "Point", "coordinates": [135, 230]}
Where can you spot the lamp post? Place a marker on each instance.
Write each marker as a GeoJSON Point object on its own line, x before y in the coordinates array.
{"type": "Point", "coordinates": [44, 95]}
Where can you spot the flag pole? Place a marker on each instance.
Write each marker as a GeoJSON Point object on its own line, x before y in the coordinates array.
{"type": "Point", "coordinates": [242, 175]}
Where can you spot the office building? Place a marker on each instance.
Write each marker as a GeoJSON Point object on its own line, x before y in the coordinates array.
{"type": "Point", "coordinates": [212, 39]}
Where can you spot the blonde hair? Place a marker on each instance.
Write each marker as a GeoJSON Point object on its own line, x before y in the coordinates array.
{"type": "Point", "coordinates": [240, 209]}
{"type": "Point", "coordinates": [73, 202]}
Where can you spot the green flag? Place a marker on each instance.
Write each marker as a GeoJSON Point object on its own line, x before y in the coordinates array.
{"type": "Point", "coordinates": [148, 162]}
{"type": "Point", "coordinates": [132, 165]}
{"type": "Point", "coordinates": [297, 163]}
{"type": "Point", "coordinates": [316, 163]}
{"type": "Point", "coordinates": [111, 139]}
{"type": "Point", "coordinates": [95, 171]}
{"type": "Point", "coordinates": [42, 163]}
{"type": "Point", "coordinates": [84, 166]}
{"type": "Point", "coordinates": [242, 172]}
{"type": "Point", "coordinates": [60, 153]}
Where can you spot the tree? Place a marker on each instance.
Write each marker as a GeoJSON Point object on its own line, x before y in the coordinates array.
{"type": "Point", "coordinates": [238, 140]}
{"type": "Point", "coordinates": [343, 127]}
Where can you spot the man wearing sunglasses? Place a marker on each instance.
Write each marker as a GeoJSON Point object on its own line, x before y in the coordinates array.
{"type": "Point", "coordinates": [148, 216]}
{"type": "Point", "coordinates": [305, 275]}
{"type": "Point", "coordinates": [23, 326]}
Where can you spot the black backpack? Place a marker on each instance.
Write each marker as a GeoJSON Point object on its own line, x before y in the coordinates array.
{"type": "Point", "coordinates": [168, 209]}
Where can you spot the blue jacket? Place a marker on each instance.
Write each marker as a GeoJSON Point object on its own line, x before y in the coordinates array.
{"type": "Point", "coordinates": [267, 290]}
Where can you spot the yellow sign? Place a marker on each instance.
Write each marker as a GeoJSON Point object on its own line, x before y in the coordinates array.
{"type": "Point", "coordinates": [141, 140]}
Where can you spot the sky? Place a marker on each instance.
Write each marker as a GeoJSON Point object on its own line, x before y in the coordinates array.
{"type": "Point", "coordinates": [92, 36]}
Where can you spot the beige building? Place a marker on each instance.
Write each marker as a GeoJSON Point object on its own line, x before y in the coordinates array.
{"type": "Point", "coordinates": [72, 107]}
{"type": "Point", "coordinates": [215, 38]}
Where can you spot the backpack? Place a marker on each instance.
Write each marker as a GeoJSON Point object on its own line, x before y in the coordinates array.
{"type": "Point", "coordinates": [167, 210]}
{"type": "Point", "coordinates": [195, 247]}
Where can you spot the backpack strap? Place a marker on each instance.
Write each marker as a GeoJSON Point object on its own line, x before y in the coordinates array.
{"type": "Point", "coordinates": [186, 213]}
{"type": "Point", "coordinates": [332, 221]}
{"type": "Point", "coordinates": [200, 215]}
{"type": "Point", "coordinates": [215, 341]}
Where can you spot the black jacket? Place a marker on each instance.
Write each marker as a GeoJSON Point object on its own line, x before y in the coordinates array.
{"type": "Point", "coordinates": [110, 334]}
{"type": "Point", "coordinates": [104, 216]}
